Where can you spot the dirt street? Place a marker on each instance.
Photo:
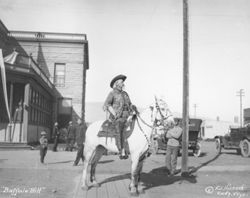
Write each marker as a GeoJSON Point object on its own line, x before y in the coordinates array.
{"type": "Point", "coordinates": [22, 175]}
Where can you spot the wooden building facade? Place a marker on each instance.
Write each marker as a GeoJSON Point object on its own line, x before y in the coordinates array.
{"type": "Point", "coordinates": [46, 78]}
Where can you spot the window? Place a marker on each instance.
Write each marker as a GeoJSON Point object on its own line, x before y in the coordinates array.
{"type": "Point", "coordinates": [59, 75]}
{"type": "Point", "coordinates": [40, 108]}
{"type": "Point", "coordinates": [65, 106]}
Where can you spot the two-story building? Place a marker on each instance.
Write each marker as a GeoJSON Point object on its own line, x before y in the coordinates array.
{"type": "Point", "coordinates": [45, 82]}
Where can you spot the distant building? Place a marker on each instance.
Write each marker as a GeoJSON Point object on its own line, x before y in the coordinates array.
{"type": "Point", "coordinates": [46, 78]}
{"type": "Point", "coordinates": [246, 116]}
{"type": "Point", "coordinates": [211, 128]}
{"type": "Point", "coordinates": [236, 119]}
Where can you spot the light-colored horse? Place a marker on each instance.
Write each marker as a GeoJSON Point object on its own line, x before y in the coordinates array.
{"type": "Point", "coordinates": [156, 115]}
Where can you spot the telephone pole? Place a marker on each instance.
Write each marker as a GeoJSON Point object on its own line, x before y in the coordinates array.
{"type": "Point", "coordinates": [240, 94]}
{"type": "Point", "coordinates": [185, 111]}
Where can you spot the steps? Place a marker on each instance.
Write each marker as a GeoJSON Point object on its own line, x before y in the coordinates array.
{"type": "Point", "coordinates": [14, 146]}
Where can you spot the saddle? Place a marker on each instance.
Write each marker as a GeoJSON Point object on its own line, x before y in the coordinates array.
{"type": "Point", "coordinates": [108, 128]}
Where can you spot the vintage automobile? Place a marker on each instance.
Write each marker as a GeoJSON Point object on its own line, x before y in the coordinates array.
{"type": "Point", "coordinates": [194, 143]}
{"type": "Point", "coordinates": [237, 139]}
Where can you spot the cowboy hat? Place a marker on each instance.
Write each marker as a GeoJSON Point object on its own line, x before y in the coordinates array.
{"type": "Point", "coordinates": [123, 77]}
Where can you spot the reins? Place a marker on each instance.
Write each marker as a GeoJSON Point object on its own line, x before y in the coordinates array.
{"type": "Point", "coordinates": [152, 127]}
{"type": "Point", "coordinates": [138, 115]}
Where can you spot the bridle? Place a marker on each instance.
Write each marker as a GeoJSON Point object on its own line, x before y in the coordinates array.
{"type": "Point", "coordinates": [163, 118]}
{"type": "Point", "coordinates": [156, 122]}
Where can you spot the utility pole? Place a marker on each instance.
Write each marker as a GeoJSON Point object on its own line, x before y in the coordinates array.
{"type": "Point", "coordinates": [240, 94]}
{"type": "Point", "coordinates": [195, 106]}
{"type": "Point", "coordinates": [185, 111]}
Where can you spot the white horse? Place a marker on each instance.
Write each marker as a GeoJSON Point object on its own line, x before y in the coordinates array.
{"type": "Point", "coordinates": [146, 123]}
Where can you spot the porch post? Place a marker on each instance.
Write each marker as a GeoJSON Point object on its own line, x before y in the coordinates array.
{"type": "Point", "coordinates": [26, 113]}
{"type": "Point", "coordinates": [11, 106]}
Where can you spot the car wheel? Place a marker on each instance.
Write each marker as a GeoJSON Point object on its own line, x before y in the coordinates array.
{"type": "Point", "coordinates": [155, 147]}
{"type": "Point", "coordinates": [197, 150]}
{"type": "Point", "coordinates": [218, 146]}
{"type": "Point", "coordinates": [245, 148]}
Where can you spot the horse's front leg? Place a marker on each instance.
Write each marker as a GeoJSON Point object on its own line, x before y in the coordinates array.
{"type": "Point", "coordinates": [88, 152]}
{"type": "Point", "coordinates": [134, 176]}
{"type": "Point", "coordinates": [98, 154]}
{"type": "Point", "coordinates": [139, 183]}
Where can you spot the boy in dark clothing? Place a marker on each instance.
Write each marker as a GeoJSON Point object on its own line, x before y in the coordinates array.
{"type": "Point", "coordinates": [43, 146]}
{"type": "Point", "coordinates": [56, 134]}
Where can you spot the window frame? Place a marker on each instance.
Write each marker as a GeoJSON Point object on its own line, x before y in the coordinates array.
{"type": "Point", "coordinates": [60, 78]}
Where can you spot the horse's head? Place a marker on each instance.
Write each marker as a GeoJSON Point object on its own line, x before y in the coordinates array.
{"type": "Point", "coordinates": [162, 116]}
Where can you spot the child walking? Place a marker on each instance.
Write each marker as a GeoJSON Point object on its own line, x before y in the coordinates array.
{"type": "Point", "coordinates": [43, 146]}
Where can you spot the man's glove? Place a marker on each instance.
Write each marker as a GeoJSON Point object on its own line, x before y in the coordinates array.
{"type": "Point", "coordinates": [112, 117]}
{"type": "Point", "coordinates": [134, 108]}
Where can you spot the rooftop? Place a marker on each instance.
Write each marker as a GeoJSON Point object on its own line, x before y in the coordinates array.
{"type": "Point", "coordinates": [48, 36]}
{"type": "Point", "coordinates": [22, 63]}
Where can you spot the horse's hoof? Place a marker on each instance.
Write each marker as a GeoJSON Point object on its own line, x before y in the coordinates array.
{"type": "Point", "coordinates": [141, 191]}
{"type": "Point", "coordinates": [134, 194]}
{"type": "Point", "coordinates": [85, 188]}
{"type": "Point", "coordinates": [141, 188]}
{"type": "Point", "coordinates": [123, 156]}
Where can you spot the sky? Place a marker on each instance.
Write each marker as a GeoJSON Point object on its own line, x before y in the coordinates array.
{"type": "Point", "coordinates": [143, 39]}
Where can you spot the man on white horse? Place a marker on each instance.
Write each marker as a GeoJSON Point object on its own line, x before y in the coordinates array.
{"type": "Point", "coordinates": [119, 107]}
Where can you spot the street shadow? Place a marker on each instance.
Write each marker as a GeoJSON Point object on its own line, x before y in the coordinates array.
{"type": "Point", "coordinates": [230, 153]}
{"type": "Point", "coordinates": [195, 169]}
{"type": "Point", "coordinates": [62, 162]}
{"type": "Point", "coordinates": [116, 178]}
{"type": "Point", "coordinates": [2, 160]}
{"type": "Point", "coordinates": [105, 161]}
{"type": "Point", "coordinates": [190, 154]}
{"type": "Point", "coordinates": [203, 154]}
{"type": "Point", "coordinates": [155, 178]}
{"type": "Point", "coordinates": [159, 177]}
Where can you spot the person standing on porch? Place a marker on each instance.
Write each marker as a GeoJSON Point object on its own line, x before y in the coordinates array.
{"type": "Point", "coordinates": [18, 115]}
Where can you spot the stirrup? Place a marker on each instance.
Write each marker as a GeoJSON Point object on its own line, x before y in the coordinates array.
{"type": "Point", "coordinates": [123, 155]}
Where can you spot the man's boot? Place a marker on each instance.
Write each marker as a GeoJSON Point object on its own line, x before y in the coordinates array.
{"type": "Point", "coordinates": [118, 138]}
{"type": "Point", "coordinates": [123, 154]}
